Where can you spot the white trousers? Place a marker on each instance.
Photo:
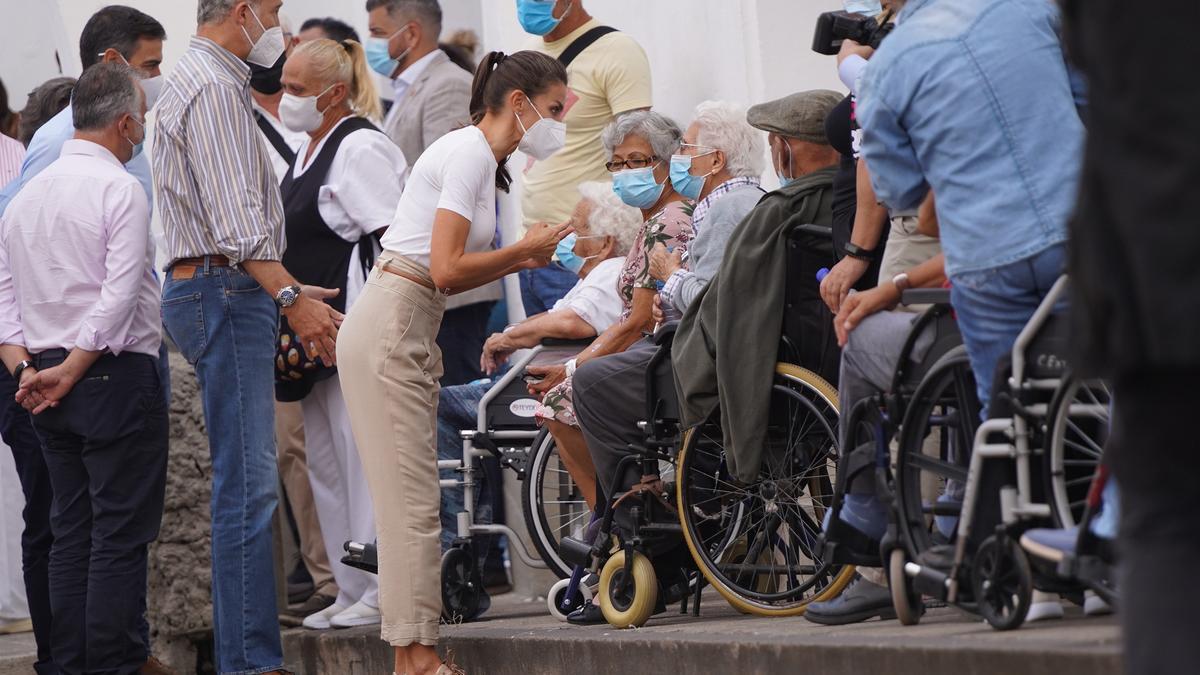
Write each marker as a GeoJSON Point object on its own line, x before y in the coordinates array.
{"type": "Point", "coordinates": [12, 502]}
{"type": "Point", "coordinates": [339, 488]}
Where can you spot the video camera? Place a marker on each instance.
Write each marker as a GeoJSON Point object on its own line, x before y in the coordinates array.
{"type": "Point", "coordinates": [834, 27]}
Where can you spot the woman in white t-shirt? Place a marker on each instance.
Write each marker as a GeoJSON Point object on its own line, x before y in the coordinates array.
{"type": "Point", "coordinates": [439, 243]}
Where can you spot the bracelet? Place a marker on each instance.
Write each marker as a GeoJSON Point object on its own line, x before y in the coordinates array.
{"type": "Point", "coordinates": [855, 251]}
{"type": "Point", "coordinates": [570, 366]}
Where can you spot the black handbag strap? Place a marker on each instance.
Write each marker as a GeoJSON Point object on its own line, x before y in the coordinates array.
{"type": "Point", "coordinates": [583, 42]}
{"type": "Point", "coordinates": [275, 138]}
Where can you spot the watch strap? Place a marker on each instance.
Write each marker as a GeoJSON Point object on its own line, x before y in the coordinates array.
{"type": "Point", "coordinates": [855, 251]}
{"type": "Point", "coordinates": [20, 369]}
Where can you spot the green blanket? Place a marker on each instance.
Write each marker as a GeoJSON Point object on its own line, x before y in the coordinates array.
{"type": "Point", "coordinates": [726, 345]}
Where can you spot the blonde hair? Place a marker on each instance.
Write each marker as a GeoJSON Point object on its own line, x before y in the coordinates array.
{"type": "Point", "coordinates": [344, 62]}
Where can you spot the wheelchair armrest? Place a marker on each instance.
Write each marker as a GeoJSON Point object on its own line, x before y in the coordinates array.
{"type": "Point", "coordinates": [665, 335]}
{"type": "Point", "coordinates": [818, 230]}
{"type": "Point", "coordinates": [561, 343]}
{"type": "Point", "coordinates": [925, 296]}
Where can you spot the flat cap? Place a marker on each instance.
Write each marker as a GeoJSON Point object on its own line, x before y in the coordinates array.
{"type": "Point", "coordinates": [800, 116]}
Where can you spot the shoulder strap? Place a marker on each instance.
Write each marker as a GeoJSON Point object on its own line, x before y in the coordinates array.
{"type": "Point", "coordinates": [583, 42]}
{"type": "Point", "coordinates": [275, 138]}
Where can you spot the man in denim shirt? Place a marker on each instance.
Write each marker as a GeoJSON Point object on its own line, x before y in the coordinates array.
{"type": "Point", "coordinates": [972, 100]}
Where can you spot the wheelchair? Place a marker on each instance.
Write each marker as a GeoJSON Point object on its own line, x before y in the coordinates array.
{"type": "Point", "coordinates": [957, 516]}
{"type": "Point", "coordinates": [756, 543]}
{"type": "Point", "coordinates": [551, 502]}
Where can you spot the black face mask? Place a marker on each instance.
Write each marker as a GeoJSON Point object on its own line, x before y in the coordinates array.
{"type": "Point", "coordinates": [266, 80]}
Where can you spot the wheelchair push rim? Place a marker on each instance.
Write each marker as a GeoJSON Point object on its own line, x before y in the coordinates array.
{"type": "Point", "coordinates": [758, 544]}
{"type": "Point", "coordinates": [1077, 432]}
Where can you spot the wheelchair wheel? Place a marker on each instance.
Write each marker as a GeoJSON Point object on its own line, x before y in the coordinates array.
{"type": "Point", "coordinates": [552, 503]}
{"type": "Point", "coordinates": [462, 587]}
{"type": "Point", "coordinates": [907, 602]}
{"type": "Point", "coordinates": [1002, 582]}
{"type": "Point", "coordinates": [1076, 432]}
{"type": "Point", "coordinates": [935, 441]}
{"type": "Point", "coordinates": [556, 597]}
{"type": "Point", "coordinates": [758, 544]}
{"type": "Point", "coordinates": [627, 600]}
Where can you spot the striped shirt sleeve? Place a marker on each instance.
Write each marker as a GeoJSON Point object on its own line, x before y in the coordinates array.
{"type": "Point", "coordinates": [223, 141]}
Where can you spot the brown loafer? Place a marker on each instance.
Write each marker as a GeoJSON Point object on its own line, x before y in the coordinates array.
{"type": "Point", "coordinates": [153, 666]}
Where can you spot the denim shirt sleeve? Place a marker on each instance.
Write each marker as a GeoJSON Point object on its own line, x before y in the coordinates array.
{"type": "Point", "coordinates": [896, 173]}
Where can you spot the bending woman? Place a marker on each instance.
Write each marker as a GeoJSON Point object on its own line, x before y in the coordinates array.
{"type": "Point", "coordinates": [438, 244]}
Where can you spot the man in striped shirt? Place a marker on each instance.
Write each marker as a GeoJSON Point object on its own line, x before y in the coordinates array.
{"type": "Point", "coordinates": [223, 219]}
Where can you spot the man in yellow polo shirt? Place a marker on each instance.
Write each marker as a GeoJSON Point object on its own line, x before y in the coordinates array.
{"type": "Point", "coordinates": [608, 74]}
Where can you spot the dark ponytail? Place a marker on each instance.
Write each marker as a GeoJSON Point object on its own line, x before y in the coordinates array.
{"type": "Point", "coordinates": [498, 75]}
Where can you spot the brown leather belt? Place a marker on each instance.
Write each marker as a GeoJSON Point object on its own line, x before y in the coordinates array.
{"type": "Point", "coordinates": [186, 268]}
{"type": "Point", "coordinates": [409, 277]}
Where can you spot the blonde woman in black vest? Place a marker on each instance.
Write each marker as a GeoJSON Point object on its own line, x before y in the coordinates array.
{"type": "Point", "coordinates": [339, 194]}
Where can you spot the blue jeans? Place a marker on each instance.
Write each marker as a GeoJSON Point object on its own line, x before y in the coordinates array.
{"type": "Point", "coordinates": [994, 305]}
{"type": "Point", "coordinates": [226, 326]}
{"type": "Point", "coordinates": [457, 410]}
{"type": "Point", "coordinates": [542, 287]}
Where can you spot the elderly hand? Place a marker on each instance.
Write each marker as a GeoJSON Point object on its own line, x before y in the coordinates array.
{"type": "Point", "coordinates": [551, 376]}
{"type": "Point", "coordinates": [496, 351]}
{"type": "Point", "coordinates": [837, 284]}
{"type": "Point", "coordinates": [657, 311]}
{"type": "Point", "coordinates": [664, 263]}
{"type": "Point", "coordinates": [851, 47]}
{"type": "Point", "coordinates": [859, 306]}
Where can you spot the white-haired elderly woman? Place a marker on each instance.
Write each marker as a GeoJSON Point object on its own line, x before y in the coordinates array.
{"type": "Point", "coordinates": [719, 166]}
{"type": "Point", "coordinates": [640, 145]}
{"type": "Point", "coordinates": [605, 231]}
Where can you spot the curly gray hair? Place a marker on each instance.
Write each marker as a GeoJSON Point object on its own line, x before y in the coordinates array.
{"type": "Point", "coordinates": [660, 131]}
{"type": "Point", "coordinates": [610, 216]}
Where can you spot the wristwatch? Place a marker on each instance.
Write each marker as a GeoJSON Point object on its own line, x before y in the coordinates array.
{"type": "Point", "coordinates": [855, 251]}
{"type": "Point", "coordinates": [21, 369]}
{"type": "Point", "coordinates": [287, 296]}
{"type": "Point", "coordinates": [900, 281]}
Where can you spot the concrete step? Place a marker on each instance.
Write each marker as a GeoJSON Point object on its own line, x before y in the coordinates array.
{"type": "Point", "coordinates": [520, 638]}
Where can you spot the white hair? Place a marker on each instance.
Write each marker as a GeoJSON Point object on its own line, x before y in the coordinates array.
{"type": "Point", "coordinates": [660, 131]}
{"type": "Point", "coordinates": [610, 216]}
{"type": "Point", "coordinates": [213, 11]}
{"type": "Point", "coordinates": [723, 126]}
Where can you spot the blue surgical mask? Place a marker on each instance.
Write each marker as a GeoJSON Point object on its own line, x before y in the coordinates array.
{"type": "Point", "coordinates": [537, 16]}
{"type": "Point", "coordinates": [784, 181]}
{"type": "Point", "coordinates": [637, 187]}
{"type": "Point", "coordinates": [868, 7]}
{"type": "Point", "coordinates": [566, 252]}
{"type": "Point", "coordinates": [681, 178]}
{"type": "Point", "coordinates": [379, 54]}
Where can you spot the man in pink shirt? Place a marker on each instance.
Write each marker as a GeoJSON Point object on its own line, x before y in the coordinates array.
{"type": "Point", "coordinates": [80, 331]}
{"type": "Point", "coordinates": [12, 153]}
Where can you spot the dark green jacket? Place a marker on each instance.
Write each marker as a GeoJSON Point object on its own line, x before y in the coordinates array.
{"type": "Point", "coordinates": [726, 345]}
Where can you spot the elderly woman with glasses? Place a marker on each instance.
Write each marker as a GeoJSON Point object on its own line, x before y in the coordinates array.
{"type": "Point", "coordinates": [640, 145]}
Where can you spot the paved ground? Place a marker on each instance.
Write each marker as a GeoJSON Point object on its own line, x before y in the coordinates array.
{"type": "Point", "coordinates": [519, 638]}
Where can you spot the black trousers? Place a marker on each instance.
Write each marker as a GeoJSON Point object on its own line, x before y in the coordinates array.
{"type": "Point", "coordinates": [105, 447]}
{"type": "Point", "coordinates": [1155, 458]}
{"type": "Point", "coordinates": [461, 338]}
{"type": "Point", "coordinates": [16, 428]}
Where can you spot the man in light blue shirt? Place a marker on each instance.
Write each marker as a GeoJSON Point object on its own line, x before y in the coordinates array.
{"type": "Point", "coordinates": [973, 100]}
{"type": "Point", "coordinates": [119, 36]}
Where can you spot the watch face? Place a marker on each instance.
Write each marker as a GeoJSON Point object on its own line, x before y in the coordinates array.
{"type": "Point", "coordinates": [287, 296]}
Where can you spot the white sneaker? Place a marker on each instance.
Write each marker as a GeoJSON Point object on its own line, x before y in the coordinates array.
{"type": "Point", "coordinates": [1044, 606]}
{"type": "Point", "coordinates": [320, 620]}
{"type": "Point", "coordinates": [1094, 605]}
{"type": "Point", "coordinates": [359, 614]}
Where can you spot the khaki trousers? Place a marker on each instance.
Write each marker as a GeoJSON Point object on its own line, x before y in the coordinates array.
{"type": "Point", "coordinates": [906, 248]}
{"type": "Point", "coordinates": [293, 472]}
{"type": "Point", "coordinates": [389, 364]}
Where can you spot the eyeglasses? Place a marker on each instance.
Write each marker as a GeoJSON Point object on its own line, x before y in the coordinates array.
{"type": "Point", "coordinates": [631, 163]}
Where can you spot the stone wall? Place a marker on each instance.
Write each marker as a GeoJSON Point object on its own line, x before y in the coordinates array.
{"type": "Point", "coordinates": [180, 602]}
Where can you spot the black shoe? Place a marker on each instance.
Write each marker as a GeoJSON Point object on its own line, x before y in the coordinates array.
{"type": "Point", "coordinates": [588, 615]}
{"type": "Point", "coordinates": [860, 601]}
